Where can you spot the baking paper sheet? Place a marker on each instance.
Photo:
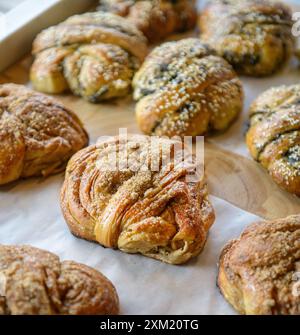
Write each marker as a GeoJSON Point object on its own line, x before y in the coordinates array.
{"type": "Point", "coordinates": [30, 214]}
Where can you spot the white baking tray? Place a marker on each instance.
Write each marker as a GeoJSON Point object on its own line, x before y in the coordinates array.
{"type": "Point", "coordinates": [19, 26]}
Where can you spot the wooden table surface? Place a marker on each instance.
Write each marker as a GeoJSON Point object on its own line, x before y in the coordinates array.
{"type": "Point", "coordinates": [231, 177]}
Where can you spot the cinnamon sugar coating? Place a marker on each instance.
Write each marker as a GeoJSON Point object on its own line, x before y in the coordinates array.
{"type": "Point", "coordinates": [36, 282]}
{"type": "Point", "coordinates": [184, 89]}
{"type": "Point", "coordinates": [37, 134]}
{"type": "Point", "coordinates": [274, 135]}
{"type": "Point", "coordinates": [259, 271]}
{"type": "Point", "coordinates": [156, 18]}
{"type": "Point", "coordinates": [158, 213]}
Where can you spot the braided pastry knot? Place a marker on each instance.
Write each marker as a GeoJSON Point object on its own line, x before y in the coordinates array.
{"type": "Point", "coordinates": [184, 89]}
{"type": "Point", "coordinates": [156, 18]}
{"type": "Point", "coordinates": [37, 134]}
{"type": "Point", "coordinates": [156, 211]}
{"type": "Point", "coordinates": [255, 36]}
{"type": "Point", "coordinates": [274, 135]}
{"type": "Point", "coordinates": [35, 282]}
{"type": "Point", "coordinates": [94, 55]}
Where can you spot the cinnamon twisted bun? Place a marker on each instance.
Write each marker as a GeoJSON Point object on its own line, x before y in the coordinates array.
{"type": "Point", "coordinates": [37, 134]}
{"type": "Point", "coordinates": [259, 270]}
{"type": "Point", "coordinates": [274, 135]}
{"type": "Point", "coordinates": [147, 206]}
{"type": "Point", "coordinates": [156, 18]}
{"type": "Point", "coordinates": [94, 55]}
{"type": "Point", "coordinates": [184, 89]}
{"type": "Point", "coordinates": [36, 282]}
{"type": "Point", "coordinates": [253, 35]}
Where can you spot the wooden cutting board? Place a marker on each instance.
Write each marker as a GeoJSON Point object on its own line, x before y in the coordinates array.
{"type": "Point", "coordinates": [231, 177]}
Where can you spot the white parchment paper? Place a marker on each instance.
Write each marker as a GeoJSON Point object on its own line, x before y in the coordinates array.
{"type": "Point", "coordinates": [30, 214]}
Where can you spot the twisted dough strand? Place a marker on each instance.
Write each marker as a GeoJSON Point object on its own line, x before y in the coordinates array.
{"type": "Point", "coordinates": [156, 213]}
{"type": "Point", "coordinates": [274, 135]}
{"type": "Point", "coordinates": [156, 18]}
{"type": "Point", "coordinates": [94, 55]}
{"type": "Point", "coordinates": [37, 134]}
{"type": "Point", "coordinates": [35, 282]}
{"type": "Point", "coordinates": [252, 35]}
{"type": "Point", "coordinates": [258, 270]}
{"type": "Point", "coordinates": [184, 89]}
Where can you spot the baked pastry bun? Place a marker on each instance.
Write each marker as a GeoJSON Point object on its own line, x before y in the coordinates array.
{"type": "Point", "coordinates": [273, 138]}
{"type": "Point", "coordinates": [148, 207]}
{"type": "Point", "coordinates": [156, 18]}
{"type": "Point", "coordinates": [36, 282]}
{"type": "Point", "coordinates": [255, 36]}
{"type": "Point", "coordinates": [94, 55]}
{"type": "Point", "coordinates": [37, 134]}
{"type": "Point", "coordinates": [258, 272]}
{"type": "Point", "coordinates": [184, 89]}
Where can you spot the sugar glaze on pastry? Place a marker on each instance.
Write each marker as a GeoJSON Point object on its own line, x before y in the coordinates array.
{"type": "Point", "coordinates": [156, 213]}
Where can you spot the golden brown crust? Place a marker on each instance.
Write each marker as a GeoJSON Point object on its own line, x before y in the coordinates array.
{"type": "Point", "coordinates": [157, 18]}
{"type": "Point", "coordinates": [253, 35]}
{"type": "Point", "coordinates": [184, 89]}
{"type": "Point", "coordinates": [94, 55]}
{"type": "Point", "coordinates": [35, 282]}
{"type": "Point", "coordinates": [274, 135]}
{"type": "Point", "coordinates": [37, 134]}
{"type": "Point", "coordinates": [156, 213]}
{"type": "Point", "coordinates": [257, 271]}
{"type": "Point", "coordinates": [93, 28]}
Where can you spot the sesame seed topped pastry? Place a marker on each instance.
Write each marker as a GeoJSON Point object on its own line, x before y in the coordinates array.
{"type": "Point", "coordinates": [37, 134]}
{"type": "Point", "coordinates": [253, 35]}
{"type": "Point", "coordinates": [156, 18]}
{"type": "Point", "coordinates": [147, 205]}
{"type": "Point", "coordinates": [95, 55]}
{"type": "Point", "coordinates": [184, 89]}
{"type": "Point", "coordinates": [36, 282]}
{"type": "Point", "coordinates": [274, 135]}
{"type": "Point", "coordinates": [258, 272]}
